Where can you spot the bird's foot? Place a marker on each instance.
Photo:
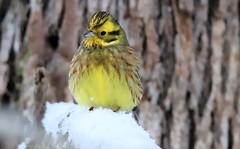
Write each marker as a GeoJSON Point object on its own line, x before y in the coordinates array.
{"type": "Point", "coordinates": [91, 109]}
{"type": "Point", "coordinates": [117, 109]}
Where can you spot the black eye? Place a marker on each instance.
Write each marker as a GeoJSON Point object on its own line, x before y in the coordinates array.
{"type": "Point", "coordinates": [103, 33]}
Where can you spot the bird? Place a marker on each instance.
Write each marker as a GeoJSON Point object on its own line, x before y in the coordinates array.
{"type": "Point", "coordinates": [104, 72]}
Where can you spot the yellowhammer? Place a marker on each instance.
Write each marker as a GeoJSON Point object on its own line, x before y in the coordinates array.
{"type": "Point", "coordinates": [104, 71]}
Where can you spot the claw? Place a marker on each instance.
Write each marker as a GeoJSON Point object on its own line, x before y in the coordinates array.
{"type": "Point", "coordinates": [117, 109]}
{"type": "Point", "coordinates": [91, 109]}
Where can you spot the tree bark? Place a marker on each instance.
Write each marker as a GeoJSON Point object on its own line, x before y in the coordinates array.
{"type": "Point", "coordinates": [190, 53]}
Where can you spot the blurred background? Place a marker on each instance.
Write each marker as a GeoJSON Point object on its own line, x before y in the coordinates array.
{"type": "Point", "coordinates": [190, 51]}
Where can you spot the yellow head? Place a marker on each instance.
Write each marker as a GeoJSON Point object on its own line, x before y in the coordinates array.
{"type": "Point", "coordinates": [104, 30]}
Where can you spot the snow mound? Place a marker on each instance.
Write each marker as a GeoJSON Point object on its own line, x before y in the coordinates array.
{"type": "Point", "coordinates": [97, 129]}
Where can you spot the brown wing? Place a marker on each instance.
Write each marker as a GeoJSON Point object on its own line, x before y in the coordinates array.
{"type": "Point", "coordinates": [127, 64]}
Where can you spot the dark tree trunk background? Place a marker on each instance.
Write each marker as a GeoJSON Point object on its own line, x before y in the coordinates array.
{"type": "Point", "coordinates": [190, 71]}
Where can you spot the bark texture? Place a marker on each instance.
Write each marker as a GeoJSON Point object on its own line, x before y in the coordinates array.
{"type": "Point", "coordinates": [190, 54]}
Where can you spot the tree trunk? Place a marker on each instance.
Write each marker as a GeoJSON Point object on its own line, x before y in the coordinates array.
{"type": "Point", "coordinates": [190, 70]}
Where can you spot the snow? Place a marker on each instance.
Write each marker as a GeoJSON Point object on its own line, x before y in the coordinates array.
{"type": "Point", "coordinates": [22, 145]}
{"type": "Point", "coordinates": [97, 129]}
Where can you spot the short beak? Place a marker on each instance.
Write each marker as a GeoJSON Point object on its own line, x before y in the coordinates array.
{"type": "Point", "coordinates": [88, 34]}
